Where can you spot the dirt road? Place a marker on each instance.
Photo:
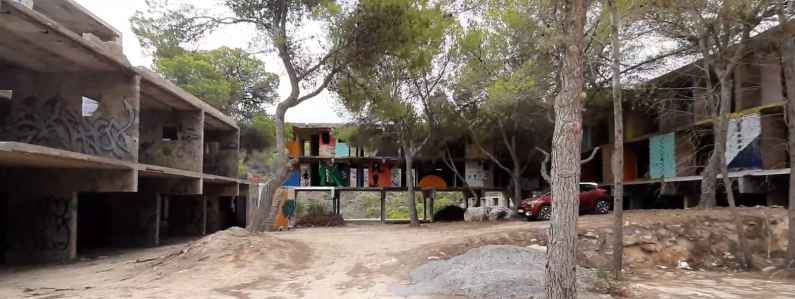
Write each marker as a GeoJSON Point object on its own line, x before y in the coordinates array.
{"type": "Point", "coordinates": [356, 261]}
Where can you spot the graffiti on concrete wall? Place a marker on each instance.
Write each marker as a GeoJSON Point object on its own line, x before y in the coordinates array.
{"type": "Point", "coordinates": [49, 123]}
{"type": "Point", "coordinates": [60, 221]}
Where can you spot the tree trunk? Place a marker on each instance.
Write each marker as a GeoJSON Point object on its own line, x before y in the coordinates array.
{"type": "Point", "coordinates": [561, 254]}
{"type": "Point", "coordinates": [709, 180]}
{"type": "Point", "coordinates": [788, 61]}
{"type": "Point", "coordinates": [726, 91]}
{"type": "Point", "coordinates": [266, 213]}
{"type": "Point", "coordinates": [517, 188]}
{"type": "Point", "coordinates": [409, 156]}
{"type": "Point", "coordinates": [618, 146]}
{"type": "Point", "coordinates": [745, 250]}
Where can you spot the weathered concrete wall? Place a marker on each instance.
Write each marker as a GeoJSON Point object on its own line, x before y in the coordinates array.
{"type": "Point", "coordinates": [134, 219]}
{"type": "Point", "coordinates": [686, 153]}
{"type": "Point", "coordinates": [773, 142]}
{"type": "Point", "coordinates": [46, 109]}
{"type": "Point", "coordinates": [772, 82]}
{"type": "Point", "coordinates": [186, 216]}
{"type": "Point", "coordinates": [747, 86]}
{"type": "Point", "coordinates": [182, 152]}
{"type": "Point", "coordinates": [221, 150]}
{"type": "Point", "coordinates": [40, 228]}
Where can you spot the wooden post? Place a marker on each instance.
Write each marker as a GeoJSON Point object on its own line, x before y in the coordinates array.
{"type": "Point", "coordinates": [424, 208]}
{"type": "Point", "coordinates": [383, 206]}
{"type": "Point", "coordinates": [433, 199]}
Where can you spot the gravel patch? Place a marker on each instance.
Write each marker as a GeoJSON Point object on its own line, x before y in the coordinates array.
{"type": "Point", "coordinates": [492, 271]}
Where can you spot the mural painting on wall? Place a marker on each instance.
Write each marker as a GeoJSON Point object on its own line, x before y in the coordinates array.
{"type": "Point", "coordinates": [51, 228]}
{"type": "Point", "coordinates": [306, 175]}
{"type": "Point", "coordinates": [331, 175]}
{"type": "Point", "coordinates": [354, 177]}
{"type": "Point", "coordinates": [662, 156]}
{"type": "Point", "coordinates": [49, 123]}
{"type": "Point", "coordinates": [476, 174]}
{"type": "Point", "coordinates": [327, 144]}
{"type": "Point", "coordinates": [397, 179]}
{"type": "Point", "coordinates": [743, 143]}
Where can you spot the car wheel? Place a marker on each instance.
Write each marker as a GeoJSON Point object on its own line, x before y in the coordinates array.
{"type": "Point", "coordinates": [545, 213]}
{"type": "Point", "coordinates": [602, 207]}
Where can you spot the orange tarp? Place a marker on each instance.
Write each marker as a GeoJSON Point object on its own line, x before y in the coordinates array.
{"type": "Point", "coordinates": [432, 182]}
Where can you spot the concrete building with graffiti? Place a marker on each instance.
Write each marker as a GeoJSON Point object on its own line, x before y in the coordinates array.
{"type": "Point", "coordinates": [95, 153]}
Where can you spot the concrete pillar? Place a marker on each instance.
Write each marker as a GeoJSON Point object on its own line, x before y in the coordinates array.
{"type": "Point", "coordinates": [158, 216]}
{"type": "Point", "coordinates": [72, 246]}
{"type": "Point", "coordinates": [203, 200]}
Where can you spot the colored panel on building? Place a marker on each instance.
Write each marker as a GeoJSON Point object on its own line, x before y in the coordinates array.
{"type": "Point", "coordinates": [331, 175]}
{"type": "Point", "coordinates": [307, 148]}
{"type": "Point", "coordinates": [364, 179]}
{"type": "Point", "coordinates": [353, 177]}
{"type": "Point", "coordinates": [630, 165]}
{"type": "Point", "coordinates": [743, 143]}
{"type": "Point", "coordinates": [327, 144]}
{"type": "Point", "coordinates": [397, 177]}
{"type": "Point", "coordinates": [342, 150]}
{"type": "Point", "coordinates": [380, 175]}
{"type": "Point", "coordinates": [294, 180]}
{"type": "Point", "coordinates": [662, 159]}
{"type": "Point", "coordinates": [306, 175]}
{"type": "Point", "coordinates": [294, 149]}
{"type": "Point", "coordinates": [477, 174]}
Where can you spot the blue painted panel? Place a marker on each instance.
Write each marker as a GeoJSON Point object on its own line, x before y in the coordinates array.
{"type": "Point", "coordinates": [294, 180]}
{"type": "Point", "coordinates": [662, 156]}
{"type": "Point", "coordinates": [342, 150]}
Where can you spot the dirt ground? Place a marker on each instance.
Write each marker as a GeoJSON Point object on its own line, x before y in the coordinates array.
{"type": "Point", "coordinates": [355, 261]}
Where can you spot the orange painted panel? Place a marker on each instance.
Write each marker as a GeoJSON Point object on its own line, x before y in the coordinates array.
{"type": "Point", "coordinates": [381, 177]}
{"type": "Point", "coordinates": [432, 182]}
{"type": "Point", "coordinates": [294, 148]}
{"type": "Point", "coordinates": [630, 165]}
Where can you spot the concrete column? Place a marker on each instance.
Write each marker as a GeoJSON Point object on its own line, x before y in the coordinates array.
{"type": "Point", "coordinates": [72, 247]}
{"type": "Point", "coordinates": [158, 216]}
{"type": "Point", "coordinates": [204, 214]}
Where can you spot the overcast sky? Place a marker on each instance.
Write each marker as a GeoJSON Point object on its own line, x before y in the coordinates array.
{"type": "Point", "coordinates": [117, 13]}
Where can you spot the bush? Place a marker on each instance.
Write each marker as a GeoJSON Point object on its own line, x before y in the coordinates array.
{"type": "Point", "coordinates": [449, 214]}
{"type": "Point", "coordinates": [316, 215]}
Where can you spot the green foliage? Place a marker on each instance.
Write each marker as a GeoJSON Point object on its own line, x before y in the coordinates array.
{"type": "Point", "coordinates": [231, 80]}
{"type": "Point", "coordinates": [396, 47]}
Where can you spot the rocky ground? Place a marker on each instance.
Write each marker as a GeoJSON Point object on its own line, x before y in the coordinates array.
{"type": "Point", "coordinates": [670, 254]}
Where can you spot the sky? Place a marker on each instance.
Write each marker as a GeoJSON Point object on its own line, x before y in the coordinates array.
{"type": "Point", "coordinates": [322, 108]}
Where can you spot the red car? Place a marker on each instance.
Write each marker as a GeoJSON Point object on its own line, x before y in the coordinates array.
{"type": "Point", "coordinates": [592, 200]}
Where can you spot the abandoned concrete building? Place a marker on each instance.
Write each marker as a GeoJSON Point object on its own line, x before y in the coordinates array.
{"type": "Point", "coordinates": [97, 154]}
{"type": "Point", "coordinates": [668, 135]}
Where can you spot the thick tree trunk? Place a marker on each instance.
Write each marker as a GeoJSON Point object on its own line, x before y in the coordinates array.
{"type": "Point", "coordinates": [409, 156]}
{"type": "Point", "coordinates": [618, 146]}
{"type": "Point", "coordinates": [709, 180]}
{"type": "Point", "coordinates": [266, 213]}
{"type": "Point", "coordinates": [726, 88]}
{"type": "Point", "coordinates": [517, 188]}
{"type": "Point", "coordinates": [566, 154]}
{"type": "Point", "coordinates": [745, 250]}
{"type": "Point", "coordinates": [788, 61]}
